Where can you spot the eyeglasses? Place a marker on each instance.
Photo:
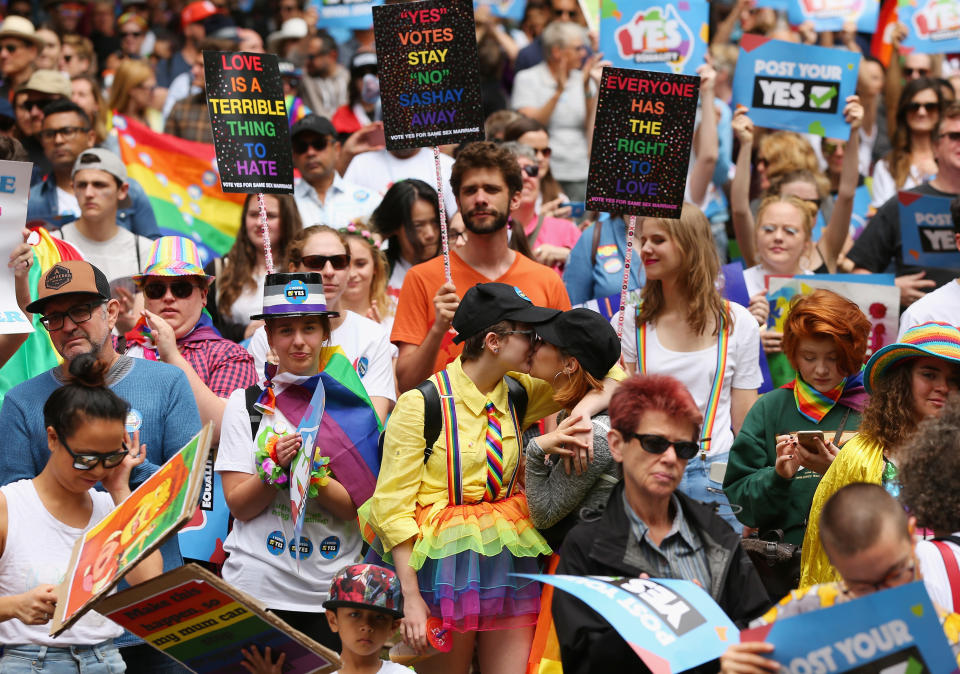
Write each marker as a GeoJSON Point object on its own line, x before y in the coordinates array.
{"type": "Point", "coordinates": [457, 236]}
{"type": "Point", "coordinates": [927, 107]}
{"type": "Point", "coordinates": [68, 132]}
{"type": "Point", "coordinates": [829, 147]}
{"type": "Point", "coordinates": [544, 151]}
{"type": "Point", "coordinates": [319, 144]}
{"type": "Point", "coordinates": [903, 573]}
{"type": "Point", "coordinates": [180, 289]}
{"type": "Point", "coordinates": [787, 229]}
{"type": "Point", "coordinates": [569, 13]}
{"type": "Point", "coordinates": [89, 461]}
{"type": "Point", "coordinates": [919, 72]}
{"type": "Point", "coordinates": [816, 202]}
{"type": "Point", "coordinates": [78, 314]}
{"type": "Point", "coordinates": [10, 47]}
{"type": "Point", "coordinates": [318, 262]}
{"type": "Point", "coordinates": [531, 335]}
{"type": "Point", "coordinates": [532, 170]}
{"type": "Point", "coordinates": [952, 136]}
{"type": "Point", "coordinates": [131, 33]}
{"type": "Point", "coordinates": [31, 103]}
{"type": "Point", "coordinates": [657, 444]}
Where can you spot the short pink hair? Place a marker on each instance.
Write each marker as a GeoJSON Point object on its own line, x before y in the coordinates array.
{"type": "Point", "coordinates": [651, 392]}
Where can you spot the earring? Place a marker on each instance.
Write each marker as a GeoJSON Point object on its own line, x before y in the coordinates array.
{"type": "Point", "coordinates": [496, 350]}
{"type": "Point", "coordinates": [560, 372]}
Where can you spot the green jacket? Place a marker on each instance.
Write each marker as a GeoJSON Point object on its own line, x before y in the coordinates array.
{"type": "Point", "coordinates": [768, 500]}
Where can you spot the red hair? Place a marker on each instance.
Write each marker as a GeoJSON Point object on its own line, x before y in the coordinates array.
{"type": "Point", "coordinates": [826, 314]}
{"type": "Point", "coordinates": [651, 392]}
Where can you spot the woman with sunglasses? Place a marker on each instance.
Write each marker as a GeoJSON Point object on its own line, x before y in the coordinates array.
{"type": "Point", "coordinates": [366, 343]}
{"type": "Point", "coordinates": [534, 135]}
{"type": "Point", "coordinates": [911, 160]}
{"type": "Point", "coordinates": [41, 519]}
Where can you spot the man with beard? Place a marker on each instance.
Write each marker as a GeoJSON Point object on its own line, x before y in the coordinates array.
{"type": "Point", "coordinates": [486, 183]}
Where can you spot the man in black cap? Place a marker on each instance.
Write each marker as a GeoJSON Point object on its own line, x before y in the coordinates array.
{"type": "Point", "coordinates": [322, 196]}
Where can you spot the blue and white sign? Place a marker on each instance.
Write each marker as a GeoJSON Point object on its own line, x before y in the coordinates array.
{"type": "Point", "coordinates": [926, 231]}
{"type": "Point", "coordinates": [933, 26]}
{"type": "Point", "coordinates": [349, 14]}
{"type": "Point", "coordinates": [668, 36]}
{"type": "Point", "coordinates": [832, 14]}
{"type": "Point", "coordinates": [795, 87]}
{"type": "Point", "coordinates": [505, 9]}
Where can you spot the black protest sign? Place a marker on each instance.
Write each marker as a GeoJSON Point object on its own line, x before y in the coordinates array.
{"type": "Point", "coordinates": [641, 142]}
{"type": "Point", "coordinates": [429, 77]}
{"type": "Point", "coordinates": [249, 120]}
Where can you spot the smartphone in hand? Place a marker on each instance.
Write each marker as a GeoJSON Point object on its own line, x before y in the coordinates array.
{"type": "Point", "coordinates": [808, 439]}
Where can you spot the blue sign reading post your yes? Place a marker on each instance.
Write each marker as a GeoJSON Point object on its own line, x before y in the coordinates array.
{"type": "Point", "coordinates": [795, 87]}
{"type": "Point", "coordinates": [832, 14]}
{"type": "Point", "coordinates": [667, 36]}
{"type": "Point", "coordinates": [926, 231]}
{"type": "Point", "coordinates": [933, 25]}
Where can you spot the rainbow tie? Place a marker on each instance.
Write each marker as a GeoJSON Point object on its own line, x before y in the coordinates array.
{"type": "Point", "coordinates": [494, 455]}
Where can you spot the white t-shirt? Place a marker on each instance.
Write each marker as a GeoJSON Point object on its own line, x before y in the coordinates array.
{"type": "Point", "coordinates": [67, 203]}
{"type": "Point", "coordinates": [379, 170]}
{"type": "Point", "coordinates": [942, 305]}
{"type": "Point", "coordinates": [934, 572]}
{"type": "Point", "coordinates": [388, 667]}
{"type": "Point", "coordinates": [261, 562]}
{"type": "Point", "coordinates": [366, 343]}
{"type": "Point", "coordinates": [248, 303]}
{"type": "Point", "coordinates": [696, 369]}
{"type": "Point", "coordinates": [116, 257]}
{"type": "Point", "coordinates": [885, 187]}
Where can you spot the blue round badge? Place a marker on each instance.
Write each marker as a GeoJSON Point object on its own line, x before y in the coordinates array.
{"type": "Point", "coordinates": [330, 547]}
{"type": "Point", "coordinates": [134, 421]}
{"type": "Point", "coordinates": [362, 366]}
{"type": "Point", "coordinates": [361, 195]}
{"type": "Point", "coordinates": [296, 292]}
{"type": "Point", "coordinates": [521, 295]}
{"type": "Point", "coordinates": [305, 548]}
{"type": "Point", "coordinates": [276, 543]}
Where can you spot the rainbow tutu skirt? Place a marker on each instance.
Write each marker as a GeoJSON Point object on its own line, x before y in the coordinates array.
{"type": "Point", "coordinates": [464, 557]}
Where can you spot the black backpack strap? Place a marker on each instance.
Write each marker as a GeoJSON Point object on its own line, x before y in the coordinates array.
{"type": "Point", "coordinates": [517, 395]}
{"type": "Point", "coordinates": [432, 416]}
{"type": "Point", "coordinates": [252, 394]}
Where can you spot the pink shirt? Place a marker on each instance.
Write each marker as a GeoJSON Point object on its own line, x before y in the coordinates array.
{"type": "Point", "coordinates": [555, 232]}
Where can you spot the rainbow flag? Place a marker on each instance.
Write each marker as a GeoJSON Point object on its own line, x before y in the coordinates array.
{"type": "Point", "coordinates": [181, 179]}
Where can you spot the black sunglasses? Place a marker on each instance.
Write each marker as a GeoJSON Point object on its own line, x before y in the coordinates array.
{"type": "Point", "coordinates": [533, 170]}
{"type": "Point", "coordinates": [318, 262]}
{"type": "Point", "coordinates": [319, 144]}
{"type": "Point", "coordinates": [928, 107]}
{"type": "Point", "coordinates": [81, 313]}
{"type": "Point", "coordinates": [180, 289]}
{"type": "Point", "coordinates": [952, 136]}
{"type": "Point", "coordinates": [89, 461]}
{"type": "Point", "coordinates": [921, 72]}
{"type": "Point", "coordinates": [131, 33]}
{"type": "Point", "coordinates": [657, 444]}
{"type": "Point", "coordinates": [10, 48]}
{"type": "Point", "coordinates": [31, 103]}
{"type": "Point", "coordinates": [571, 13]}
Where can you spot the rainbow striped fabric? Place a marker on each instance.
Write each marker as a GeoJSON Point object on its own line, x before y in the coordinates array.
{"type": "Point", "coordinates": [181, 179]}
{"type": "Point", "coordinates": [939, 340]}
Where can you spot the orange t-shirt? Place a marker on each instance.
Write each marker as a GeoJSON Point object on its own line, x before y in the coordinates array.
{"type": "Point", "coordinates": [415, 312]}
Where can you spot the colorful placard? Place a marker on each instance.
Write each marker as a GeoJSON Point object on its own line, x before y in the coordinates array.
{"type": "Point", "coordinates": [203, 535]}
{"type": "Point", "coordinates": [249, 120]}
{"type": "Point", "coordinates": [202, 622]}
{"type": "Point", "coordinates": [429, 73]}
{"type": "Point", "coordinates": [349, 14]}
{"type": "Point", "coordinates": [505, 9]}
{"type": "Point", "coordinates": [152, 513]}
{"type": "Point", "coordinates": [795, 87]}
{"type": "Point", "coordinates": [832, 14]}
{"type": "Point", "coordinates": [14, 193]}
{"type": "Point", "coordinates": [926, 231]}
{"type": "Point", "coordinates": [302, 464]}
{"type": "Point", "coordinates": [641, 142]}
{"type": "Point", "coordinates": [666, 36]}
{"type": "Point", "coordinates": [887, 632]}
{"type": "Point", "coordinates": [933, 26]}
{"type": "Point", "coordinates": [671, 624]}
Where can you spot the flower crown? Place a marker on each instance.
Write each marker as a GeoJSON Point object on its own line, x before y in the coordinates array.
{"type": "Point", "coordinates": [354, 229]}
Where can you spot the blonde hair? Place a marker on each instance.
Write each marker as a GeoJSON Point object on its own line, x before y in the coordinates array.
{"type": "Point", "coordinates": [786, 151]}
{"type": "Point", "coordinates": [807, 210]}
{"type": "Point", "coordinates": [129, 75]}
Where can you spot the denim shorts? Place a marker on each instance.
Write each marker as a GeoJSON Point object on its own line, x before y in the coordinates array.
{"type": "Point", "coordinates": [696, 483]}
{"type": "Point", "coordinates": [30, 659]}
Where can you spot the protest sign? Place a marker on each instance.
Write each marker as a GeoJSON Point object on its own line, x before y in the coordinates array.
{"type": "Point", "coordinates": [668, 36]}
{"type": "Point", "coordinates": [14, 192]}
{"type": "Point", "coordinates": [895, 630]}
{"type": "Point", "coordinates": [795, 87]}
{"type": "Point", "coordinates": [429, 77]}
{"type": "Point", "coordinates": [505, 9]}
{"type": "Point", "coordinates": [348, 14]}
{"type": "Point", "coordinates": [672, 625]}
{"type": "Point", "coordinates": [638, 164]}
{"type": "Point", "coordinates": [202, 622]}
{"type": "Point", "coordinates": [203, 536]}
{"type": "Point", "coordinates": [153, 512]}
{"type": "Point", "coordinates": [780, 5]}
{"type": "Point", "coordinates": [832, 14]}
{"type": "Point", "coordinates": [249, 120]}
{"type": "Point", "coordinates": [926, 231]}
{"type": "Point", "coordinates": [303, 464]}
{"type": "Point", "coordinates": [862, 210]}
{"type": "Point", "coordinates": [933, 26]}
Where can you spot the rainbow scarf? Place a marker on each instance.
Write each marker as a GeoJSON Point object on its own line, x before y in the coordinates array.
{"type": "Point", "coordinates": [814, 405]}
{"type": "Point", "coordinates": [143, 336]}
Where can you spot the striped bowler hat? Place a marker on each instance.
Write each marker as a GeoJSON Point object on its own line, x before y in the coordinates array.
{"type": "Point", "coordinates": [173, 256]}
{"type": "Point", "coordinates": [938, 340]}
{"type": "Point", "coordinates": [296, 294]}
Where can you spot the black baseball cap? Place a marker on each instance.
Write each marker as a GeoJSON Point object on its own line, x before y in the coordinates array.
{"type": "Point", "coordinates": [585, 335]}
{"type": "Point", "coordinates": [312, 122]}
{"type": "Point", "coordinates": [487, 304]}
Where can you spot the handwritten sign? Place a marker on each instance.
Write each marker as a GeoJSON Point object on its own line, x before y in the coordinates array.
{"type": "Point", "coordinates": [659, 35]}
{"type": "Point", "coordinates": [895, 630]}
{"type": "Point", "coordinates": [795, 87]}
{"type": "Point", "coordinates": [832, 14]}
{"type": "Point", "coordinates": [429, 77]}
{"type": "Point", "coordinates": [153, 512]}
{"type": "Point", "coordinates": [349, 14]}
{"type": "Point", "coordinates": [933, 26]}
{"type": "Point", "coordinates": [641, 142]}
{"type": "Point", "coordinates": [14, 193]}
{"type": "Point", "coordinates": [926, 231]}
{"type": "Point", "coordinates": [202, 622]}
{"type": "Point", "coordinates": [249, 119]}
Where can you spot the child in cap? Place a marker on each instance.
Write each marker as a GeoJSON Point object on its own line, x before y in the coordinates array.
{"type": "Point", "coordinates": [364, 608]}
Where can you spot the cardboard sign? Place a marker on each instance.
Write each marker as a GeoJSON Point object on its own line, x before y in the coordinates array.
{"type": "Point", "coordinates": [926, 231]}
{"type": "Point", "coordinates": [348, 14]}
{"type": "Point", "coordinates": [641, 142]}
{"type": "Point", "coordinates": [795, 87]}
{"type": "Point", "coordinates": [895, 630]}
{"type": "Point", "coordinates": [933, 26]}
{"type": "Point", "coordinates": [249, 119]}
{"type": "Point", "coordinates": [152, 513]}
{"type": "Point", "coordinates": [429, 77]}
{"type": "Point", "coordinates": [202, 537]}
{"type": "Point", "coordinates": [661, 35]}
{"type": "Point", "coordinates": [14, 193]}
{"type": "Point", "coordinates": [832, 14]}
{"type": "Point", "coordinates": [672, 625]}
{"type": "Point", "coordinates": [202, 622]}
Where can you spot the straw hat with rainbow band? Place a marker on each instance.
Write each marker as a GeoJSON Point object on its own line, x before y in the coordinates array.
{"type": "Point", "coordinates": [173, 256]}
{"type": "Point", "coordinates": [937, 340]}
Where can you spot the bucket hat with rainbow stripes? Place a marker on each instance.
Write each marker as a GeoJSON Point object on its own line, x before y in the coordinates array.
{"type": "Point", "coordinates": [937, 340]}
{"type": "Point", "coordinates": [173, 256]}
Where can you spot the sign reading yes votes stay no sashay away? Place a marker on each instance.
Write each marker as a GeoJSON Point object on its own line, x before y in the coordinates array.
{"type": "Point", "coordinates": [429, 77]}
{"type": "Point", "coordinates": [641, 142]}
{"type": "Point", "coordinates": [249, 120]}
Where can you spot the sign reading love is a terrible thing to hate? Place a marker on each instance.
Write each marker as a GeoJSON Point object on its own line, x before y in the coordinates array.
{"type": "Point", "coordinates": [641, 142]}
{"type": "Point", "coordinates": [249, 120]}
{"type": "Point", "coordinates": [429, 76]}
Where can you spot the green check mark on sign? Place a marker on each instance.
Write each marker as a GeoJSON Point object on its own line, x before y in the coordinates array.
{"type": "Point", "coordinates": [820, 97]}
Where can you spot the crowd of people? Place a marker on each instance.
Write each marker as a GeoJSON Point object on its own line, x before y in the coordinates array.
{"type": "Point", "coordinates": [522, 428]}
